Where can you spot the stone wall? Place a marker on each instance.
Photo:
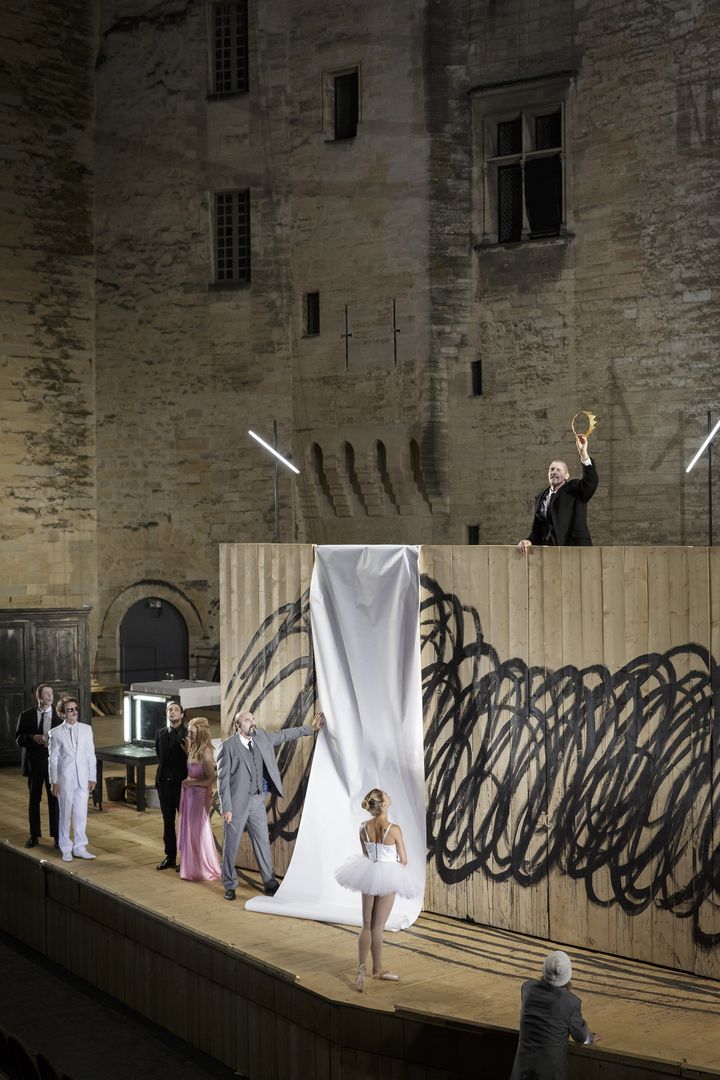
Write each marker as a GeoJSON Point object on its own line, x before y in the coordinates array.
{"type": "Point", "coordinates": [620, 318]}
{"type": "Point", "coordinates": [186, 366]}
{"type": "Point", "coordinates": [47, 376]}
{"type": "Point", "coordinates": [618, 315]}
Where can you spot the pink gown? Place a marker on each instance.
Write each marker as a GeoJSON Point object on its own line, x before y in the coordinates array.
{"type": "Point", "coordinates": [196, 847]}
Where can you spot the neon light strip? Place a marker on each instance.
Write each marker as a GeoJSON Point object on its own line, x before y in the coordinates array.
{"type": "Point", "coordinates": [273, 451]}
{"type": "Point", "coordinates": [707, 442]}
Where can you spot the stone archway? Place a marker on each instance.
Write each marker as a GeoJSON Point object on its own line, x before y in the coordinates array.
{"type": "Point", "coordinates": [107, 659]}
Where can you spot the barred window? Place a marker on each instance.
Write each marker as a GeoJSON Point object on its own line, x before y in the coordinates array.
{"type": "Point", "coordinates": [232, 236]}
{"type": "Point", "coordinates": [230, 47]}
{"type": "Point", "coordinates": [521, 127]}
{"type": "Point", "coordinates": [526, 176]}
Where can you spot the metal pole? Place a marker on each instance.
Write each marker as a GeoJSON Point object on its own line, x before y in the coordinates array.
{"type": "Point", "coordinates": [276, 471]}
{"type": "Point", "coordinates": [710, 507]}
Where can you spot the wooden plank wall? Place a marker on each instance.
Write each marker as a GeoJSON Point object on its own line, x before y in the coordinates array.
{"type": "Point", "coordinates": [571, 751]}
{"type": "Point", "coordinates": [266, 665]}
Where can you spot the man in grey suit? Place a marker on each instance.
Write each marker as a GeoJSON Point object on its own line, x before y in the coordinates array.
{"type": "Point", "coordinates": [549, 1013]}
{"type": "Point", "coordinates": [247, 770]}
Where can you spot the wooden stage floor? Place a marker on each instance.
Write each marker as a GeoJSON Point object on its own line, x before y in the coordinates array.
{"type": "Point", "coordinates": [450, 970]}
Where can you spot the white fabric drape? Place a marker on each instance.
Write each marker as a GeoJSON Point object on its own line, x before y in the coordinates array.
{"type": "Point", "coordinates": [364, 604]}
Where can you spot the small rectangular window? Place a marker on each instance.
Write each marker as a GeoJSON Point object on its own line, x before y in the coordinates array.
{"type": "Point", "coordinates": [509, 203]}
{"type": "Point", "coordinates": [230, 47]}
{"type": "Point", "coordinates": [543, 195]}
{"type": "Point", "coordinates": [312, 314]}
{"type": "Point", "coordinates": [548, 131]}
{"type": "Point", "coordinates": [509, 137]}
{"type": "Point", "coordinates": [476, 377]}
{"type": "Point", "coordinates": [232, 236]}
{"type": "Point", "coordinates": [473, 534]}
{"type": "Point", "coordinates": [347, 100]}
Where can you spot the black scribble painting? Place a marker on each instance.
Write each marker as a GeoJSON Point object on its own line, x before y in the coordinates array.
{"type": "Point", "coordinates": [610, 778]}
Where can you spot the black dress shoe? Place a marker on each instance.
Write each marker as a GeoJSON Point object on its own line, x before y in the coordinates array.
{"type": "Point", "coordinates": [31, 841]}
{"type": "Point", "coordinates": [229, 894]}
{"type": "Point", "coordinates": [271, 889]}
{"type": "Point", "coordinates": [56, 844]}
{"type": "Point", "coordinates": [166, 864]}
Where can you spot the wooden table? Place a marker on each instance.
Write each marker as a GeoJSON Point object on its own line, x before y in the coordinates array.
{"type": "Point", "coordinates": [132, 757]}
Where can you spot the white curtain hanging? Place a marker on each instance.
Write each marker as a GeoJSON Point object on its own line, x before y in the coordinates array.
{"type": "Point", "coordinates": [364, 604]}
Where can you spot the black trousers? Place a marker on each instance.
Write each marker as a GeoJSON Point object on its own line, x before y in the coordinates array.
{"type": "Point", "coordinates": [169, 795]}
{"type": "Point", "coordinates": [36, 782]}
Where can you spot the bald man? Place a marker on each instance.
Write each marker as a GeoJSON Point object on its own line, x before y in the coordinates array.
{"type": "Point", "coordinates": [247, 771]}
{"type": "Point", "coordinates": [561, 509]}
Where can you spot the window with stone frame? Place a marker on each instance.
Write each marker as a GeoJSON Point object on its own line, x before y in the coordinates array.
{"type": "Point", "coordinates": [232, 237]}
{"type": "Point", "coordinates": [229, 33]}
{"type": "Point", "coordinates": [523, 135]}
{"type": "Point", "coordinates": [341, 103]}
{"type": "Point", "coordinates": [312, 314]}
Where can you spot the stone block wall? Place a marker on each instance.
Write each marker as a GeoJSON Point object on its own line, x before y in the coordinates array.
{"type": "Point", "coordinates": [48, 554]}
{"type": "Point", "coordinates": [619, 315]}
{"type": "Point", "coordinates": [622, 317]}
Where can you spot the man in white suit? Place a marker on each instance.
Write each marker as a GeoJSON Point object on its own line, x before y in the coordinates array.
{"type": "Point", "coordinates": [73, 772]}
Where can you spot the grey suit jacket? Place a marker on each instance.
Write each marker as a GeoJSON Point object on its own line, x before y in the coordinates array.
{"type": "Point", "coordinates": [233, 765]}
{"type": "Point", "coordinates": [549, 1014]}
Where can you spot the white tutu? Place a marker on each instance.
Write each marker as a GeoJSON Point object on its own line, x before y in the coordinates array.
{"type": "Point", "coordinates": [361, 874]}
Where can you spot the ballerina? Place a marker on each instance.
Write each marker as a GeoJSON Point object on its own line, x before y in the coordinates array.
{"type": "Point", "coordinates": [198, 857]}
{"type": "Point", "coordinates": [379, 874]}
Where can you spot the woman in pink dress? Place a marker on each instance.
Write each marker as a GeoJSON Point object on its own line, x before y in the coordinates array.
{"type": "Point", "coordinates": [196, 846]}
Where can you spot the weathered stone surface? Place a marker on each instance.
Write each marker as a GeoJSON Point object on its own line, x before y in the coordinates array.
{"type": "Point", "coordinates": [48, 554]}
{"type": "Point", "coordinates": [619, 317]}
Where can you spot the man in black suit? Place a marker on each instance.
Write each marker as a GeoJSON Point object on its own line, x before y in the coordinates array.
{"type": "Point", "coordinates": [170, 747]}
{"type": "Point", "coordinates": [561, 509]}
{"type": "Point", "coordinates": [32, 736]}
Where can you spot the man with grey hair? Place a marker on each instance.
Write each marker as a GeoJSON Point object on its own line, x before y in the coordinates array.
{"type": "Point", "coordinates": [247, 770]}
{"type": "Point", "coordinates": [549, 1013]}
{"type": "Point", "coordinates": [560, 518]}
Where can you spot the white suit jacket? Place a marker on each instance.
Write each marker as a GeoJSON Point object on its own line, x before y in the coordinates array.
{"type": "Point", "coordinates": [71, 762]}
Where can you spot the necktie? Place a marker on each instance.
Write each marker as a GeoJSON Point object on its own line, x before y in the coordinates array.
{"type": "Point", "coordinates": [41, 723]}
{"type": "Point", "coordinates": [250, 745]}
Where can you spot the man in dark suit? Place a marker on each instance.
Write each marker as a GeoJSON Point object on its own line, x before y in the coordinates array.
{"type": "Point", "coordinates": [549, 1013]}
{"type": "Point", "coordinates": [170, 747]}
{"type": "Point", "coordinates": [32, 736]}
{"type": "Point", "coordinates": [561, 509]}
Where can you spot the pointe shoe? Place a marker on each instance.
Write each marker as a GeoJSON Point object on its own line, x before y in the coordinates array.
{"type": "Point", "coordinates": [360, 980]}
{"type": "Point", "coordinates": [389, 976]}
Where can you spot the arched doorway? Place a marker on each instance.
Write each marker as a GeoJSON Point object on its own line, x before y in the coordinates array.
{"type": "Point", "coordinates": [153, 642]}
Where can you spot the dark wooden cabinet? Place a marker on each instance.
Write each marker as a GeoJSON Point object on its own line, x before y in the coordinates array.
{"type": "Point", "coordinates": [51, 646]}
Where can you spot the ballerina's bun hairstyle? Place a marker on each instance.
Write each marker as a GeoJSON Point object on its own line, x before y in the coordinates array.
{"type": "Point", "coordinates": [373, 801]}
